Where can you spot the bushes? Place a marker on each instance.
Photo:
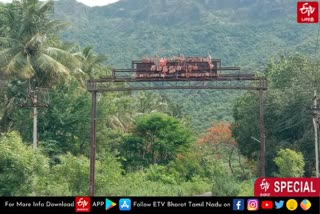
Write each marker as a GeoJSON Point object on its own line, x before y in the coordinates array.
{"type": "Point", "coordinates": [27, 172]}
{"type": "Point", "coordinates": [23, 171]}
{"type": "Point", "coordinates": [138, 184]}
{"type": "Point", "coordinates": [290, 163]}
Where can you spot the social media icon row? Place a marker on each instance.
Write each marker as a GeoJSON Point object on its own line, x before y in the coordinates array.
{"type": "Point", "coordinates": [253, 204]}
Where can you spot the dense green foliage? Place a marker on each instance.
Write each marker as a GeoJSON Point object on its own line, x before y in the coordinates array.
{"type": "Point", "coordinates": [21, 174]}
{"type": "Point", "coordinates": [152, 143]}
{"type": "Point", "coordinates": [156, 139]}
{"type": "Point", "coordinates": [288, 112]}
{"type": "Point", "coordinates": [296, 167]}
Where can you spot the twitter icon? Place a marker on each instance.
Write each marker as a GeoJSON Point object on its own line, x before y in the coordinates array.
{"type": "Point", "coordinates": [279, 205]}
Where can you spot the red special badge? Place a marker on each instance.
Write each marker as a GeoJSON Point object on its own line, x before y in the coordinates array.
{"type": "Point", "coordinates": [286, 187]}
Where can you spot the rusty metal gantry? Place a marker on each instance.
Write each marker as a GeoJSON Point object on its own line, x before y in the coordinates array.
{"type": "Point", "coordinates": [222, 82]}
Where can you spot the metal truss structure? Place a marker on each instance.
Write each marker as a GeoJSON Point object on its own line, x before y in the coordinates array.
{"type": "Point", "coordinates": [127, 82]}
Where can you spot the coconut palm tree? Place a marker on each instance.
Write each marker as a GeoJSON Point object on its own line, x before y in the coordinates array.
{"type": "Point", "coordinates": [30, 49]}
{"type": "Point", "coordinates": [131, 107]}
{"type": "Point", "coordinates": [92, 63]}
{"type": "Point", "coordinates": [31, 55]}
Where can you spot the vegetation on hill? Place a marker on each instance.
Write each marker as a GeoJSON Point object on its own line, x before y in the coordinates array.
{"type": "Point", "coordinates": [240, 33]}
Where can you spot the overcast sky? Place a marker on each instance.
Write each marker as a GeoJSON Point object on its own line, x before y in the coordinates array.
{"type": "Point", "coordinates": [90, 3]}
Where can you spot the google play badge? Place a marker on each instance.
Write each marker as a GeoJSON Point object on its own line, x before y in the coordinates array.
{"type": "Point", "coordinates": [110, 204]}
{"type": "Point", "coordinates": [305, 204]}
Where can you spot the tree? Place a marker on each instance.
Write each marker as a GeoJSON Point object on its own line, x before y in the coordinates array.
{"type": "Point", "coordinates": [218, 133]}
{"type": "Point", "coordinates": [23, 172]}
{"type": "Point", "coordinates": [218, 142]}
{"type": "Point", "coordinates": [288, 115]}
{"type": "Point", "coordinates": [63, 126]}
{"type": "Point", "coordinates": [290, 163]}
{"type": "Point", "coordinates": [92, 63]}
{"type": "Point", "coordinates": [130, 107]}
{"type": "Point", "coordinates": [31, 56]}
{"type": "Point", "coordinates": [30, 49]}
{"type": "Point", "coordinates": [73, 173]}
{"type": "Point", "coordinates": [156, 139]}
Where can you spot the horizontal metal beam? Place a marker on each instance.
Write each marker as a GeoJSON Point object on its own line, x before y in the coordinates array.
{"type": "Point", "coordinates": [34, 106]}
{"type": "Point", "coordinates": [127, 84]}
{"type": "Point", "coordinates": [180, 79]}
{"type": "Point", "coordinates": [215, 69]}
{"type": "Point", "coordinates": [175, 87]}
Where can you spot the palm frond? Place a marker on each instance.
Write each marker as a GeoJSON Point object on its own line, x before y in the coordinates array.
{"type": "Point", "coordinates": [44, 6]}
{"type": "Point", "coordinates": [10, 16]}
{"type": "Point", "coordinates": [116, 123]}
{"type": "Point", "coordinates": [7, 42]}
{"type": "Point", "coordinates": [6, 55]}
{"type": "Point", "coordinates": [51, 67]}
{"type": "Point", "coordinates": [35, 42]}
{"type": "Point", "coordinates": [29, 64]}
{"type": "Point", "coordinates": [99, 59]}
{"type": "Point", "coordinates": [70, 47]}
{"type": "Point", "coordinates": [87, 51]}
{"type": "Point", "coordinates": [55, 26]}
{"type": "Point", "coordinates": [80, 76]}
{"type": "Point", "coordinates": [64, 57]}
{"type": "Point", "coordinates": [19, 66]}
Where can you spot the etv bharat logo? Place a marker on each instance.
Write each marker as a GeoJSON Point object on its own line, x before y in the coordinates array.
{"type": "Point", "coordinates": [307, 12]}
{"type": "Point", "coordinates": [264, 185]}
{"type": "Point", "coordinates": [82, 204]}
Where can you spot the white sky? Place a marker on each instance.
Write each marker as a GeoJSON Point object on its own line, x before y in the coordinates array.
{"type": "Point", "coordinates": [96, 2]}
{"type": "Point", "coordinates": [90, 3]}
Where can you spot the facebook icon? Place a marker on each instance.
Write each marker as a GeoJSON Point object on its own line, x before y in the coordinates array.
{"type": "Point", "coordinates": [238, 204]}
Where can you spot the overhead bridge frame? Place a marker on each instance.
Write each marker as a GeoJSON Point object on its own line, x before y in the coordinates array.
{"type": "Point", "coordinates": [121, 80]}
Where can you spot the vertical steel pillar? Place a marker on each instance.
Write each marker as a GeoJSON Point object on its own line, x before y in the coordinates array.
{"type": "Point", "coordinates": [315, 126]}
{"type": "Point", "coordinates": [262, 135]}
{"type": "Point", "coordinates": [35, 122]}
{"type": "Point", "coordinates": [93, 141]}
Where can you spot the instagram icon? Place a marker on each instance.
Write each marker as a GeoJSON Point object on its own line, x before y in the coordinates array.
{"type": "Point", "coordinates": [252, 204]}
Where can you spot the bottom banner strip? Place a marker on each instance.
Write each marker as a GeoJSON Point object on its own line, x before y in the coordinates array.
{"type": "Point", "coordinates": [86, 204]}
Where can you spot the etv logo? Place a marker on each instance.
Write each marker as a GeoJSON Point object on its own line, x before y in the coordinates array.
{"type": "Point", "coordinates": [264, 185]}
{"type": "Point", "coordinates": [307, 12]}
{"type": "Point", "coordinates": [82, 204]}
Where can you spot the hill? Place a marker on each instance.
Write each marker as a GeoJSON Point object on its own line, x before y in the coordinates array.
{"type": "Point", "coordinates": [245, 33]}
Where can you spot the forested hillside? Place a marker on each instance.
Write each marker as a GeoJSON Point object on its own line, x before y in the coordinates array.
{"type": "Point", "coordinates": [152, 143]}
{"type": "Point", "coordinates": [241, 33]}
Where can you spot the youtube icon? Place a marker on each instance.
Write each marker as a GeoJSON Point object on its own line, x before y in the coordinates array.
{"type": "Point", "coordinates": [266, 205]}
